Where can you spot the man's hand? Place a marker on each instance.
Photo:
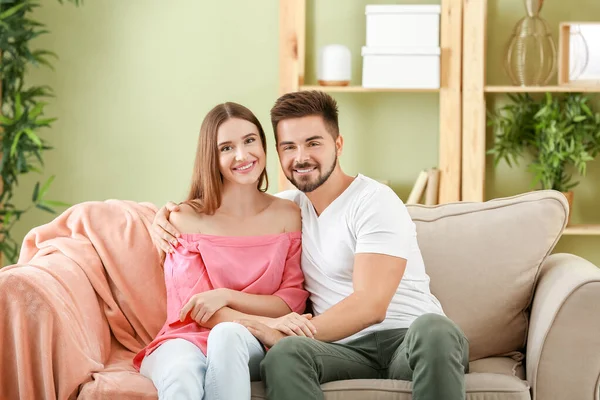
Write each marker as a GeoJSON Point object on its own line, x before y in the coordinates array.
{"type": "Point", "coordinates": [162, 231]}
{"type": "Point", "coordinates": [267, 336]}
{"type": "Point", "coordinates": [294, 324]}
{"type": "Point", "coordinates": [202, 306]}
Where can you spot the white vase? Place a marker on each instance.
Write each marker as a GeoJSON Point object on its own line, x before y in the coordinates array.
{"type": "Point", "coordinates": [578, 52]}
{"type": "Point", "coordinates": [334, 66]}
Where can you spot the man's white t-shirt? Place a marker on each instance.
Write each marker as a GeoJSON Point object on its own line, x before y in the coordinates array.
{"type": "Point", "coordinates": [368, 217]}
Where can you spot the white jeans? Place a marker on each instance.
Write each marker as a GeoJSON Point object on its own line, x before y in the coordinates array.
{"type": "Point", "coordinates": [180, 371]}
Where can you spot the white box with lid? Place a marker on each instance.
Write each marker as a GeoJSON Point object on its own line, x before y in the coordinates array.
{"type": "Point", "coordinates": [401, 67]}
{"type": "Point", "coordinates": [403, 25]}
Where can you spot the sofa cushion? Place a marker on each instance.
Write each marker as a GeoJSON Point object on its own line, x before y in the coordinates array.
{"type": "Point", "coordinates": [480, 386]}
{"type": "Point", "coordinates": [483, 260]}
{"type": "Point", "coordinates": [499, 365]}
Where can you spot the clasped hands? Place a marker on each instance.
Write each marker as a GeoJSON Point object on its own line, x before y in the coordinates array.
{"type": "Point", "coordinates": [202, 306]}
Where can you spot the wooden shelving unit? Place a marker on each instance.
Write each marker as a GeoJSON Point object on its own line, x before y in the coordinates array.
{"type": "Point", "coordinates": [360, 89]}
{"type": "Point", "coordinates": [475, 90]}
{"type": "Point", "coordinates": [474, 101]}
{"type": "Point", "coordinates": [582, 230]}
{"type": "Point", "coordinates": [292, 47]}
{"type": "Point", "coordinates": [542, 89]}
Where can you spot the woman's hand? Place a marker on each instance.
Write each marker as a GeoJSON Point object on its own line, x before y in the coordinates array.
{"type": "Point", "coordinates": [294, 324]}
{"type": "Point", "coordinates": [162, 231]}
{"type": "Point", "coordinates": [202, 306]}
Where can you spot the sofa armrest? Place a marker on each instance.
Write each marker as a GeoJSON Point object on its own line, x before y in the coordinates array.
{"type": "Point", "coordinates": [53, 332]}
{"type": "Point", "coordinates": [563, 345]}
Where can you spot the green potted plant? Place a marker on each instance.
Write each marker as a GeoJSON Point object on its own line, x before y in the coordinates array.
{"type": "Point", "coordinates": [561, 133]}
{"type": "Point", "coordinates": [21, 116]}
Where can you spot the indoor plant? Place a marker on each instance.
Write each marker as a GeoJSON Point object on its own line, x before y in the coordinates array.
{"type": "Point", "coordinates": [561, 133]}
{"type": "Point", "coordinates": [21, 114]}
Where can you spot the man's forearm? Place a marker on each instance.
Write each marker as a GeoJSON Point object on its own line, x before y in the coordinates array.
{"type": "Point", "coordinates": [351, 315]}
{"type": "Point", "coordinates": [256, 304]}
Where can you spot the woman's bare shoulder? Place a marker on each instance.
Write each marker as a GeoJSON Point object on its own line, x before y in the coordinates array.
{"type": "Point", "coordinates": [288, 212]}
{"type": "Point", "coordinates": [186, 220]}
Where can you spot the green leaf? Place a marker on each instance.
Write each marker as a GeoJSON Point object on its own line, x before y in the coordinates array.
{"type": "Point", "coordinates": [43, 61]}
{"type": "Point", "coordinates": [38, 91]}
{"type": "Point", "coordinates": [45, 122]}
{"type": "Point", "coordinates": [18, 106]}
{"type": "Point", "coordinates": [39, 53]}
{"type": "Point", "coordinates": [15, 143]}
{"type": "Point", "coordinates": [12, 11]}
{"type": "Point", "coordinates": [35, 34]}
{"type": "Point", "coordinates": [8, 216]}
{"type": "Point", "coordinates": [76, 2]}
{"type": "Point", "coordinates": [45, 208]}
{"type": "Point", "coordinates": [54, 203]}
{"type": "Point", "coordinates": [46, 186]}
{"type": "Point", "coordinates": [31, 22]}
{"type": "Point", "coordinates": [33, 137]}
{"type": "Point", "coordinates": [36, 191]}
{"type": "Point", "coordinates": [541, 112]}
{"type": "Point", "coordinates": [513, 98]}
{"type": "Point", "coordinates": [6, 121]}
{"type": "Point", "coordinates": [37, 110]}
{"type": "Point", "coordinates": [36, 154]}
{"type": "Point", "coordinates": [579, 118]}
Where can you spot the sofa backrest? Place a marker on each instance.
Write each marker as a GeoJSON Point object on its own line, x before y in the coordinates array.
{"type": "Point", "coordinates": [484, 259]}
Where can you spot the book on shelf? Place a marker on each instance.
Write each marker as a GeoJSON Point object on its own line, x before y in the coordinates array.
{"type": "Point", "coordinates": [426, 186]}
{"type": "Point", "coordinates": [433, 185]}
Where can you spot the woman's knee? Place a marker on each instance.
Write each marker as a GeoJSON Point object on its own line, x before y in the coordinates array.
{"type": "Point", "coordinates": [184, 379]}
{"type": "Point", "coordinates": [187, 367]}
{"type": "Point", "coordinates": [228, 336]}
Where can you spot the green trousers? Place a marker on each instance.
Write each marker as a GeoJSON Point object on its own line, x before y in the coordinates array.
{"type": "Point", "coordinates": [433, 353]}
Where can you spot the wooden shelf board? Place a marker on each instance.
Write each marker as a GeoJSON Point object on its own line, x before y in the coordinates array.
{"type": "Point", "coordinates": [360, 89]}
{"type": "Point", "coordinates": [542, 89]}
{"type": "Point", "coordinates": [588, 229]}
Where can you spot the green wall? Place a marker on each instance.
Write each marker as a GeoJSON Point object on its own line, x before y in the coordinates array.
{"type": "Point", "coordinates": [136, 77]}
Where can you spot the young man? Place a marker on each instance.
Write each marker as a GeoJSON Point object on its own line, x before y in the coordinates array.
{"type": "Point", "coordinates": [374, 315]}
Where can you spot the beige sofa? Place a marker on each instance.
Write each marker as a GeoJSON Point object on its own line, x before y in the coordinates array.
{"type": "Point", "coordinates": [89, 294]}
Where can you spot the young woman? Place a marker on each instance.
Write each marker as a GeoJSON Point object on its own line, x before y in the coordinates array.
{"type": "Point", "coordinates": [240, 258]}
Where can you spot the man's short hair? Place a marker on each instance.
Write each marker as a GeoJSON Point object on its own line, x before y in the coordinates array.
{"type": "Point", "coordinates": [306, 103]}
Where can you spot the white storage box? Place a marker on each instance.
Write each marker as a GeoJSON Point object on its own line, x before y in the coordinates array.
{"type": "Point", "coordinates": [401, 68]}
{"type": "Point", "coordinates": [403, 25]}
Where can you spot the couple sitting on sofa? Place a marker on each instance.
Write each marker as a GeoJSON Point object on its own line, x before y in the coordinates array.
{"type": "Point", "coordinates": [240, 265]}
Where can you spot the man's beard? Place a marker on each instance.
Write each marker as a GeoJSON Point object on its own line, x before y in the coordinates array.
{"type": "Point", "coordinates": [309, 186]}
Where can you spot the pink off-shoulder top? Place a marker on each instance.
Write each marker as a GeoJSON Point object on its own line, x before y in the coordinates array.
{"type": "Point", "coordinates": [268, 265]}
